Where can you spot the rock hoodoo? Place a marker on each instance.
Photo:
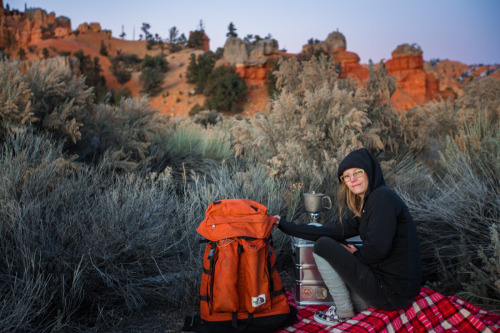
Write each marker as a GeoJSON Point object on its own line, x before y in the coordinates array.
{"type": "Point", "coordinates": [238, 53]}
{"type": "Point", "coordinates": [251, 61]}
{"type": "Point", "coordinates": [414, 85]}
{"type": "Point", "coordinates": [93, 27]}
{"type": "Point", "coordinates": [335, 45]}
{"type": "Point", "coordinates": [18, 29]}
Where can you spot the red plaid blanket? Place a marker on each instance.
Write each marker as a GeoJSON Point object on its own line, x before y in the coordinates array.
{"type": "Point", "coordinates": [430, 312]}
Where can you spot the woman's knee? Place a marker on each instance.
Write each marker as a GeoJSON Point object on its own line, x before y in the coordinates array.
{"type": "Point", "coordinates": [324, 246]}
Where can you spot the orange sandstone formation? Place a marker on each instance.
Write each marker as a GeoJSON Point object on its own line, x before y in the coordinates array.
{"type": "Point", "coordinates": [335, 45]}
{"type": "Point", "coordinates": [18, 29]}
{"type": "Point", "coordinates": [414, 85]}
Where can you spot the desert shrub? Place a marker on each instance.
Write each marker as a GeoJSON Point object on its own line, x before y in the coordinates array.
{"type": "Point", "coordinates": [208, 118]}
{"type": "Point", "coordinates": [91, 69]}
{"type": "Point", "coordinates": [151, 80]}
{"type": "Point", "coordinates": [122, 75]}
{"type": "Point", "coordinates": [196, 39]}
{"type": "Point", "coordinates": [120, 94]}
{"type": "Point", "coordinates": [271, 78]}
{"type": "Point", "coordinates": [480, 100]}
{"type": "Point", "coordinates": [122, 66]}
{"type": "Point", "coordinates": [122, 134]}
{"type": "Point", "coordinates": [458, 217]}
{"type": "Point", "coordinates": [459, 221]}
{"type": "Point", "coordinates": [60, 101]}
{"type": "Point", "coordinates": [21, 54]}
{"type": "Point", "coordinates": [48, 97]}
{"type": "Point", "coordinates": [158, 62]}
{"type": "Point", "coordinates": [187, 148]}
{"type": "Point", "coordinates": [199, 70]}
{"type": "Point", "coordinates": [225, 90]}
{"type": "Point", "coordinates": [196, 109]}
{"type": "Point", "coordinates": [126, 243]}
{"type": "Point", "coordinates": [85, 247]}
{"type": "Point", "coordinates": [152, 73]}
{"type": "Point", "coordinates": [15, 99]}
{"type": "Point", "coordinates": [314, 122]}
{"type": "Point", "coordinates": [103, 50]}
{"type": "Point", "coordinates": [377, 91]}
{"type": "Point", "coordinates": [425, 128]}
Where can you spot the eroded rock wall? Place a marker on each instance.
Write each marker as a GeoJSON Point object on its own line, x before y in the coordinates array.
{"type": "Point", "coordinates": [19, 29]}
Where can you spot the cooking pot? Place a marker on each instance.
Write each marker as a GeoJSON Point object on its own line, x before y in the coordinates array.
{"type": "Point", "coordinates": [316, 202]}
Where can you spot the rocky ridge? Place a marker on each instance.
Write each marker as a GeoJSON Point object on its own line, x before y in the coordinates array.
{"type": "Point", "coordinates": [418, 81]}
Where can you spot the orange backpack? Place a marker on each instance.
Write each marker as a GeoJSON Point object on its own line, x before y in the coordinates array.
{"type": "Point", "coordinates": [241, 290]}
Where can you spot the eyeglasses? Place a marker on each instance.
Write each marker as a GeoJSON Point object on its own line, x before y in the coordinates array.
{"type": "Point", "coordinates": [355, 175]}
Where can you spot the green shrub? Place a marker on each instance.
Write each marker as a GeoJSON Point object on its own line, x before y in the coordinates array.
{"type": "Point", "coordinates": [199, 70]}
{"type": "Point", "coordinates": [196, 39]}
{"type": "Point", "coordinates": [21, 54]}
{"type": "Point", "coordinates": [103, 50]}
{"type": "Point", "coordinates": [121, 134]}
{"type": "Point", "coordinates": [271, 78]}
{"type": "Point", "coordinates": [123, 65]}
{"type": "Point", "coordinates": [91, 69]}
{"type": "Point", "coordinates": [120, 94]}
{"type": "Point", "coordinates": [158, 62]}
{"type": "Point", "coordinates": [196, 109]}
{"type": "Point", "coordinates": [151, 80]}
{"type": "Point", "coordinates": [152, 74]}
{"type": "Point", "coordinates": [122, 75]}
{"type": "Point", "coordinates": [225, 90]}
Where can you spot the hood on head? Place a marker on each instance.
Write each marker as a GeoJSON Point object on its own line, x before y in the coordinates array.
{"type": "Point", "coordinates": [362, 159]}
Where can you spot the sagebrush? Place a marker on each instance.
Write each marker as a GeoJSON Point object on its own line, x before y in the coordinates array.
{"type": "Point", "coordinates": [99, 203]}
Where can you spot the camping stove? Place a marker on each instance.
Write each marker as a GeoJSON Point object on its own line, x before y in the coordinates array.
{"type": "Point", "coordinates": [310, 288]}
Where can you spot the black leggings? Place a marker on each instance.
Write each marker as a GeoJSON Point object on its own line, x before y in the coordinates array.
{"type": "Point", "coordinates": [359, 277]}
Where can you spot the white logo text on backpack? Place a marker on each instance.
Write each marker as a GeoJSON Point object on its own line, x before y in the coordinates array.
{"type": "Point", "coordinates": [259, 300]}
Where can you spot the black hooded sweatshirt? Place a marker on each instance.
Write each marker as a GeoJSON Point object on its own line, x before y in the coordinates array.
{"type": "Point", "coordinates": [390, 240]}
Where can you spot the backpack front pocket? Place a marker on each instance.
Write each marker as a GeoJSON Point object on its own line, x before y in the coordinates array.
{"type": "Point", "coordinates": [254, 276]}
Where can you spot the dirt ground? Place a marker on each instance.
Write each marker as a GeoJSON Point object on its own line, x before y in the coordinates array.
{"type": "Point", "coordinates": [154, 321]}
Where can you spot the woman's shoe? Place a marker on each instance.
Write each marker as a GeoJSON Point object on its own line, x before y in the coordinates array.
{"type": "Point", "coordinates": [328, 318]}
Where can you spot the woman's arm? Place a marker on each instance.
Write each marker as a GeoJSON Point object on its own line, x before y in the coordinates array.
{"type": "Point", "coordinates": [312, 232]}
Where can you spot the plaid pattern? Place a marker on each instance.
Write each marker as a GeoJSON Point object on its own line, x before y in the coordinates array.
{"type": "Point", "coordinates": [430, 312]}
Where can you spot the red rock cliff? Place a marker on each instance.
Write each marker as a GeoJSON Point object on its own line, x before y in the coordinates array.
{"type": "Point", "coordinates": [19, 29]}
{"type": "Point", "coordinates": [414, 85]}
{"type": "Point", "coordinates": [335, 45]}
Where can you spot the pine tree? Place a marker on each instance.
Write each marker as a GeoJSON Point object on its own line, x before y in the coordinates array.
{"type": "Point", "coordinates": [232, 31]}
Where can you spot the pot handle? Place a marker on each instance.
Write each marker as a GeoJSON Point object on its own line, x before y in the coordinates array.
{"type": "Point", "coordinates": [329, 202]}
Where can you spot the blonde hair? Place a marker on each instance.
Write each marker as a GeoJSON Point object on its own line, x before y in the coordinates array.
{"type": "Point", "coordinates": [350, 200]}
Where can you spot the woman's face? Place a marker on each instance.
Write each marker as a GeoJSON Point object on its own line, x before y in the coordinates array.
{"type": "Point", "coordinates": [358, 181]}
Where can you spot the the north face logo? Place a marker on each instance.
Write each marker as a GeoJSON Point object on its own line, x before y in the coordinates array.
{"type": "Point", "coordinates": [259, 300]}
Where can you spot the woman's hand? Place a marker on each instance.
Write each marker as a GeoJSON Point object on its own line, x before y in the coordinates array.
{"type": "Point", "coordinates": [349, 247]}
{"type": "Point", "coordinates": [277, 220]}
